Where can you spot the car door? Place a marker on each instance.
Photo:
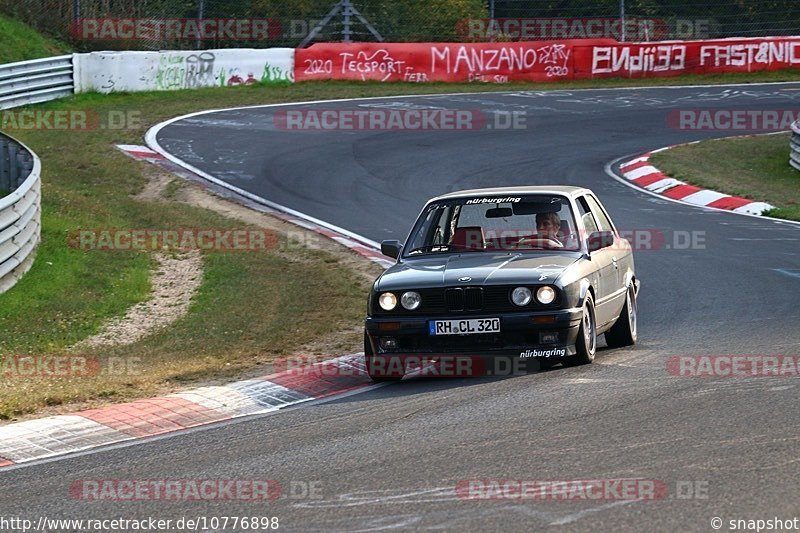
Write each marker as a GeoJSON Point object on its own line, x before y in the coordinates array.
{"type": "Point", "coordinates": [620, 256]}
{"type": "Point", "coordinates": [604, 261]}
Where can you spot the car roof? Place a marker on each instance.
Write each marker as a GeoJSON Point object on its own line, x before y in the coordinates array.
{"type": "Point", "coordinates": [565, 190]}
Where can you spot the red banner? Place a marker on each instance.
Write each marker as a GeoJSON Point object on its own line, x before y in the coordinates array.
{"type": "Point", "coordinates": [420, 62]}
{"type": "Point", "coordinates": [540, 60]}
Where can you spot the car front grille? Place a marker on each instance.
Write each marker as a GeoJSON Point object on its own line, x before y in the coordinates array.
{"type": "Point", "coordinates": [465, 300]}
{"type": "Point", "coordinates": [473, 297]}
{"type": "Point", "coordinates": [454, 299]}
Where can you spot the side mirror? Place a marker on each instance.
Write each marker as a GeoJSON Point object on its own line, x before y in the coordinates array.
{"type": "Point", "coordinates": [600, 239]}
{"type": "Point", "coordinates": [391, 248]}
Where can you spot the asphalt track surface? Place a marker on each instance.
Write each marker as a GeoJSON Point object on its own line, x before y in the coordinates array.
{"type": "Point", "coordinates": [390, 458]}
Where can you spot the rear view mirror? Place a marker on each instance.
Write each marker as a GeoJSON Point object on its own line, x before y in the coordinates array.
{"type": "Point", "coordinates": [600, 239]}
{"type": "Point", "coordinates": [499, 212]}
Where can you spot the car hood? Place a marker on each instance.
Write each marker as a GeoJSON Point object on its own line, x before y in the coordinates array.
{"type": "Point", "coordinates": [482, 268]}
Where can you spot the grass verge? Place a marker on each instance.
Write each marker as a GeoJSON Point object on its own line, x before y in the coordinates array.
{"type": "Point", "coordinates": [251, 306]}
{"type": "Point", "coordinates": [754, 167]}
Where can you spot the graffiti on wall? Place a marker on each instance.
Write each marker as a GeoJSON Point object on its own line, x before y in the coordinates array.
{"type": "Point", "coordinates": [177, 71]}
{"type": "Point", "coordinates": [199, 70]}
{"type": "Point", "coordinates": [270, 73]}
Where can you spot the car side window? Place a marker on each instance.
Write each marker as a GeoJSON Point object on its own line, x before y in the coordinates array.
{"type": "Point", "coordinates": [585, 213]}
{"type": "Point", "coordinates": [599, 214]}
{"type": "Point", "coordinates": [434, 228]}
{"type": "Point", "coordinates": [441, 231]}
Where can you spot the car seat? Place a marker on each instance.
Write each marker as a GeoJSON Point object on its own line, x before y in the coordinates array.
{"type": "Point", "coordinates": [468, 238]}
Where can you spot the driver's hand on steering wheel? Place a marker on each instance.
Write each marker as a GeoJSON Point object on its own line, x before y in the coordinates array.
{"type": "Point", "coordinates": [540, 241]}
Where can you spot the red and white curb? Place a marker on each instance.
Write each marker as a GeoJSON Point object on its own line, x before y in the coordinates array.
{"type": "Point", "coordinates": [640, 172]}
{"type": "Point", "coordinates": [44, 438]}
{"type": "Point", "coordinates": [360, 246]}
{"type": "Point", "coordinates": [141, 152]}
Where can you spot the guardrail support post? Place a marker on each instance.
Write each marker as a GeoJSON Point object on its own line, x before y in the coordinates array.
{"type": "Point", "coordinates": [5, 166]}
{"type": "Point", "coordinates": [23, 164]}
{"type": "Point", "coordinates": [13, 169]}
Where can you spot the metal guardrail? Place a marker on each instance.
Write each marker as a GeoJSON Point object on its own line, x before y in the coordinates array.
{"type": "Point", "coordinates": [794, 145]}
{"type": "Point", "coordinates": [24, 83]}
{"type": "Point", "coordinates": [31, 82]}
{"type": "Point", "coordinates": [20, 211]}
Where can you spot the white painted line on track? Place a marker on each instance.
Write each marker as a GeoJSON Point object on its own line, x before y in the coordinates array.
{"type": "Point", "coordinates": [580, 514]}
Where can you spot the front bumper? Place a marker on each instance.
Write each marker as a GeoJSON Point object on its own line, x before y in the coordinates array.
{"type": "Point", "coordinates": [522, 334]}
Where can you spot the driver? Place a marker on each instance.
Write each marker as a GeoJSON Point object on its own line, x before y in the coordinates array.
{"type": "Point", "coordinates": [547, 226]}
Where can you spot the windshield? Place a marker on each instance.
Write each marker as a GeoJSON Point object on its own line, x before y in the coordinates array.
{"type": "Point", "coordinates": [483, 224]}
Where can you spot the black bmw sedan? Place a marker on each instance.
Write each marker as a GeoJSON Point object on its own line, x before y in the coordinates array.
{"type": "Point", "coordinates": [518, 275]}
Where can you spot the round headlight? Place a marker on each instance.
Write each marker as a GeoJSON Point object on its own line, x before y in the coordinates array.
{"type": "Point", "coordinates": [546, 294]}
{"type": "Point", "coordinates": [521, 296]}
{"type": "Point", "coordinates": [410, 300]}
{"type": "Point", "coordinates": [387, 301]}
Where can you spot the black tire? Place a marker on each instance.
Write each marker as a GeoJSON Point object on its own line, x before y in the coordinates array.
{"type": "Point", "coordinates": [625, 330]}
{"type": "Point", "coordinates": [586, 344]}
{"type": "Point", "coordinates": [376, 375]}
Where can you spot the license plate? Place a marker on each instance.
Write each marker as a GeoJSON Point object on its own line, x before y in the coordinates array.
{"type": "Point", "coordinates": [464, 327]}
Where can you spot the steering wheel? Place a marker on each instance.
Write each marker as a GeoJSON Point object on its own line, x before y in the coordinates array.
{"type": "Point", "coordinates": [540, 242]}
